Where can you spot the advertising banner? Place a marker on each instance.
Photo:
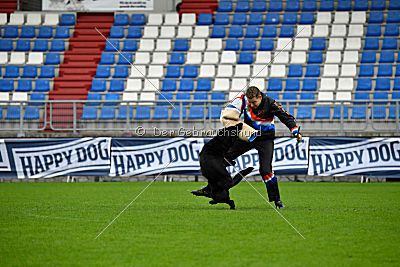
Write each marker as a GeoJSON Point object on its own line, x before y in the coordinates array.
{"type": "Point", "coordinates": [97, 5]}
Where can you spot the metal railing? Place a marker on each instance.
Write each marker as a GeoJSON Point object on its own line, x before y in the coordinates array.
{"type": "Point", "coordinates": [65, 117]}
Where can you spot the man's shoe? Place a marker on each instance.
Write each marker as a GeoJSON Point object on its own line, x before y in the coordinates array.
{"type": "Point", "coordinates": [231, 204]}
{"type": "Point", "coordinates": [279, 204]}
{"type": "Point", "coordinates": [203, 192]}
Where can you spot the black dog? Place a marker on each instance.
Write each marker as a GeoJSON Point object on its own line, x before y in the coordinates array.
{"type": "Point", "coordinates": [213, 167]}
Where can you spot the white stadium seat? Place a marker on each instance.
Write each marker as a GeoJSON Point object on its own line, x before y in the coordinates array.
{"type": "Point", "coordinates": [185, 32]}
{"type": "Point", "coordinates": [323, 18]}
{"type": "Point", "coordinates": [17, 58]}
{"type": "Point", "coordinates": [51, 19]}
{"type": "Point", "coordinates": [147, 96]}
{"type": "Point", "coordinates": [171, 19]}
{"type": "Point", "coordinates": [238, 84]}
{"type": "Point", "coordinates": [139, 71]}
{"type": "Point", "coordinates": [163, 45]}
{"type": "Point", "coordinates": [207, 71]}
{"type": "Point", "coordinates": [4, 96]}
{"type": "Point", "coordinates": [3, 58]}
{"type": "Point", "coordinates": [197, 45]}
{"type": "Point", "coordinates": [167, 32]}
{"type": "Point", "coordinates": [304, 31]}
{"type": "Point", "coordinates": [35, 58]}
{"type": "Point", "coordinates": [350, 57]}
{"type": "Point", "coordinates": [358, 17]}
{"type": "Point", "coordinates": [301, 44]}
{"type": "Point", "coordinates": [260, 71]}
{"type": "Point", "coordinates": [298, 57]}
{"type": "Point", "coordinates": [328, 84]}
{"type": "Point", "coordinates": [201, 32]}
{"type": "Point", "coordinates": [33, 19]}
{"type": "Point", "coordinates": [228, 57]}
{"type": "Point", "coordinates": [356, 30]}
{"type": "Point", "coordinates": [142, 58]}
{"type": "Point", "coordinates": [333, 57]}
{"type": "Point", "coordinates": [336, 44]}
{"type": "Point", "coordinates": [321, 31]}
{"type": "Point", "coordinates": [214, 44]}
{"type": "Point", "coordinates": [146, 45]}
{"type": "Point", "coordinates": [341, 17]}
{"type": "Point", "coordinates": [188, 19]}
{"type": "Point", "coordinates": [338, 30]}
{"type": "Point", "coordinates": [155, 19]}
{"type": "Point", "coordinates": [284, 44]}
{"type": "Point", "coordinates": [129, 96]}
{"type": "Point", "coordinates": [155, 71]}
{"type": "Point", "coordinates": [224, 71]}
{"type": "Point", "coordinates": [210, 58]}
{"type": "Point", "coordinates": [353, 43]}
{"type": "Point", "coordinates": [159, 58]}
{"type": "Point", "coordinates": [150, 32]}
{"type": "Point", "coordinates": [325, 96]}
{"type": "Point", "coordinates": [281, 57]}
{"type": "Point", "coordinates": [221, 84]}
{"type": "Point", "coordinates": [134, 85]}
{"type": "Point", "coordinates": [258, 82]}
{"type": "Point", "coordinates": [151, 85]}
{"type": "Point", "coordinates": [19, 96]}
{"type": "Point", "coordinates": [3, 18]}
{"type": "Point", "coordinates": [340, 96]}
{"type": "Point", "coordinates": [345, 84]}
{"type": "Point", "coordinates": [263, 57]}
{"type": "Point", "coordinates": [17, 19]}
{"type": "Point", "coordinates": [242, 70]}
{"type": "Point", "coordinates": [348, 70]}
{"type": "Point", "coordinates": [331, 70]}
{"type": "Point", "coordinates": [194, 58]}
{"type": "Point", "coordinates": [278, 71]}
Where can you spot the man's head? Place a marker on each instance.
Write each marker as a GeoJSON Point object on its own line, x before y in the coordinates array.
{"type": "Point", "coordinates": [253, 96]}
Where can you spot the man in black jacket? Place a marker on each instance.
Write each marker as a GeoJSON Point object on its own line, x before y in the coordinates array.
{"type": "Point", "coordinates": [258, 111]}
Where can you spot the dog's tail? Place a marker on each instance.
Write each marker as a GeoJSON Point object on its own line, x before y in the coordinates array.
{"type": "Point", "coordinates": [239, 176]}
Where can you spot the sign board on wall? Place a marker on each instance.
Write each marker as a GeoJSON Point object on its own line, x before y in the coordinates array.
{"type": "Point", "coordinates": [98, 5]}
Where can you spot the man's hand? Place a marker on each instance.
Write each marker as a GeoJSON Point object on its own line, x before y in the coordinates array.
{"type": "Point", "coordinates": [296, 134]}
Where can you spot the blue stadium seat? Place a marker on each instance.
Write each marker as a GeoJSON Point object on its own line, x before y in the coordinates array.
{"type": "Point", "coordinates": [205, 19]}
{"type": "Point", "coordinates": [245, 58]}
{"type": "Point", "coordinates": [364, 84]}
{"type": "Point", "coordinates": [242, 6]}
{"type": "Point", "coordinates": [371, 43]}
{"type": "Point", "coordinates": [12, 72]}
{"type": "Point", "coordinates": [92, 97]}
{"type": "Point", "coordinates": [189, 71]}
{"type": "Point", "coordinates": [200, 96]}
{"type": "Point", "coordinates": [13, 113]}
{"type": "Point", "coordinates": [378, 112]}
{"type": "Point", "coordinates": [252, 31]}
{"type": "Point", "coordinates": [52, 59]}
{"type": "Point", "coordinates": [107, 113]}
{"type": "Point", "coordinates": [397, 70]}
{"type": "Point", "coordinates": [138, 19]}
{"type": "Point", "coordinates": [42, 85]}
{"type": "Point", "coordinates": [239, 19]}
{"type": "Point", "coordinates": [343, 5]}
{"type": "Point", "coordinates": [318, 44]}
{"type": "Point", "coordinates": [89, 113]}
{"type": "Point", "coordinates": [389, 43]}
{"type": "Point", "coordinates": [307, 96]}
{"type": "Point", "coordinates": [236, 31]}
{"type": "Point", "coordinates": [173, 72]}
{"type": "Point", "coordinates": [27, 32]}
{"type": "Point", "coordinates": [309, 85]}
{"type": "Point", "coordinates": [295, 71]}
{"type": "Point", "coordinates": [103, 72]}
{"type": "Point", "coordinates": [182, 96]}
{"type": "Point", "coordinates": [315, 57]}
{"type": "Point", "coordinates": [168, 85]}
{"type": "Point", "coordinates": [98, 85]}
{"type": "Point", "coordinates": [289, 96]}
{"type": "Point", "coordinates": [322, 112]}
{"type": "Point", "coordinates": [392, 30]}
{"type": "Point", "coordinates": [123, 113]}
{"type": "Point", "coordinates": [47, 72]}
{"type": "Point", "coordinates": [368, 57]}
{"type": "Point", "coordinates": [7, 85]}
{"type": "Point", "coordinates": [57, 45]}
{"type": "Point", "coordinates": [374, 30]}
{"type": "Point", "coordinates": [186, 85]}
{"type": "Point", "coordinates": [249, 44]}
{"type": "Point", "coordinates": [203, 84]}
{"type": "Point", "coordinates": [269, 31]}
{"type": "Point", "coordinates": [161, 113]}
{"type": "Point", "coordinates": [385, 70]}
{"type": "Point", "coordinates": [181, 45]}
{"type": "Point", "coordinates": [218, 32]}
{"type": "Point", "coordinates": [339, 111]}
{"type": "Point", "coordinates": [29, 72]}
{"type": "Point", "coordinates": [129, 45]}
{"type": "Point", "coordinates": [266, 44]}
{"type": "Point", "coordinates": [275, 84]}
{"type": "Point", "coordinates": [107, 59]}
{"type": "Point", "coordinates": [67, 20]}
{"type": "Point", "coordinates": [45, 32]}
{"type": "Point", "coordinates": [176, 112]}
{"type": "Point", "coordinates": [382, 84]}
{"type": "Point", "coordinates": [121, 72]}
{"type": "Point", "coordinates": [255, 19]}
{"type": "Point", "coordinates": [272, 18]}
{"type": "Point", "coordinates": [116, 32]}
{"type": "Point", "coordinates": [177, 58]}
{"type": "Point", "coordinates": [273, 95]}
{"type": "Point", "coordinates": [287, 31]}
{"type": "Point", "coordinates": [218, 96]}
{"type": "Point", "coordinates": [134, 32]}
{"type": "Point", "coordinates": [24, 85]}
{"type": "Point", "coordinates": [306, 18]}
{"type": "Point", "coordinates": [125, 58]}
{"type": "Point", "coordinates": [275, 6]}
{"type": "Point", "coordinates": [215, 112]}
{"type": "Point", "coordinates": [387, 56]}
{"type": "Point", "coordinates": [396, 85]}
{"type": "Point", "coordinates": [394, 5]}
{"type": "Point", "coordinates": [121, 19]}
{"type": "Point", "coordinates": [37, 97]}
{"type": "Point", "coordinates": [366, 70]}
{"type": "Point", "coordinates": [225, 6]}
{"type": "Point", "coordinates": [41, 45]}
{"type": "Point", "coordinates": [259, 6]}
{"type": "Point", "coordinates": [375, 17]}
{"type": "Point", "coordinates": [112, 97]}
{"type": "Point", "coordinates": [378, 5]}
{"type": "Point", "coordinates": [221, 19]}
{"type": "Point", "coordinates": [380, 96]}
{"type": "Point", "coordinates": [232, 44]}
{"type": "Point", "coordinates": [196, 113]}
{"type": "Point", "coordinates": [326, 5]}
{"type": "Point", "coordinates": [313, 71]}
{"type": "Point", "coordinates": [292, 85]}
{"type": "Point", "coordinates": [360, 5]}
{"type": "Point", "coordinates": [359, 112]}
{"type": "Point", "coordinates": [117, 85]}
{"type": "Point", "coordinates": [293, 5]}
{"type": "Point", "coordinates": [361, 96]}
{"type": "Point", "coordinates": [309, 5]}
{"type": "Point", "coordinates": [164, 97]}
{"type": "Point", "coordinates": [10, 32]}
{"type": "Point", "coordinates": [6, 45]}
{"type": "Point", "coordinates": [111, 45]}
{"type": "Point", "coordinates": [289, 18]}
{"type": "Point", "coordinates": [23, 45]}
{"type": "Point", "coordinates": [304, 112]}
{"type": "Point", "coordinates": [31, 113]}
{"type": "Point", "coordinates": [62, 32]}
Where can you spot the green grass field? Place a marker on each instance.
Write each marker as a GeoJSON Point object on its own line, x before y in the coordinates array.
{"type": "Point", "coordinates": [56, 224]}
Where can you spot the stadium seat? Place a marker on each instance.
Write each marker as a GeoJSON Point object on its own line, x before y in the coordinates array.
{"type": "Point", "coordinates": [286, 31]}
{"type": "Point", "coordinates": [7, 85]}
{"type": "Point", "coordinates": [164, 98]}
{"type": "Point", "coordinates": [232, 44]}
{"type": "Point", "coordinates": [62, 32]}
{"type": "Point", "coordinates": [160, 113]}
{"type": "Point", "coordinates": [57, 45]}
{"type": "Point", "coordinates": [198, 97]}
{"type": "Point", "coordinates": [391, 30]}
{"type": "Point", "coordinates": [33, 19]}
{"type": "Point", "coordinates": [12, 72]}
{"type": "Point", "coordinates": [134, 32]}
{"type": "Point", "coordinates": [322, 112]}
{"type": "Point", "coordinates": [315, 57]}
{"type": "Point", "coordinates": [269, 31]}
{"type": "Point", "coordinates": [177, 112]}
{"type": "Point", "coordinates": [385, 70]}
{"type": "Point", "coordinates": [304, 112]}
{"type": "Point", "coordinates": [368, 57]}
{"type": "Point", "coordinates": [326, 5]}
{"type": "Point", "coordinates": [169, 85]}
{"type": "Point", "coordinates": [235, 32]}
{"type": "Point", "coordinates": [225, 6]}
{"type": "Point", "coordinates": [111, 97]}
{"type": "Point", "coordinates": [274, 84]}
{"type": "Point", "coordinates": [6, 45]}
{"type": "Point", "coordinates": [121, 72]}
{"type": "Point", "coordinates": [173, 72]}
{"type": "Point", "coordinates": [103, 72]}
{"type": "Point", "coordinates": [42, 85]}
{"type": "Point", "coordinates": [98, 85]}
{"type": "Point", "coordinates": [376, 17]}
{"type": "Point", "coordinates": [181, 97]}
{"type": "Point", "coordinates": [112, 45]}
{"type": "Point", "coordinates": [125, 59]}
{"type": "Point", "coordinates": [340, 111]}
{"type": "Point", "coordinates": [312, 71]}
{"type": "Point", "coordinates": [378, 5]}
{"type": "Point", "coordinates": [242, 6]}
{"type": "Point", "coordinates": [196, 113]}
{"type": "Point", "coordinates": [389, 43]}
{"type": "Point", "coordinates": [239, 19]}
{"type": "Point", "coordinates": [221, 19]}
{"type": "Point", "coordinates": [51, 19]}
{"type": "Point", "coordinates": [382, 84]}
{"type": "Point", "coordinates": [252, 31]}
{"type": "Point", "coordinates": [93, 97]}
{"type": "Point", "coordinates": [107, 113]}
{"type": "Point", "coordinates": [292, 85]}
{"type": "Point", "coordinates": [52, 59]}
{"type": "Point", "coordinates": [393, 17]}
{"type": "Point", "coordinates": [309, 85]}
{"type": "Point", "coordinates": [10, 32]}
{"type": "Point", "coordinates": [360, 5]}
{"type": "Point", "coordinates": [183, 32]}
{"type": "Point", "coordinates": [204, 19]}
{"type": "Point", "coordinates": [29, 72]}
{"type": "Point", "coordinates": [89, 113]}
{"type": "Point", "coordinates": [318, 44]}
{"type": "Point", "coordinates": [272, 18]}
{"type": "Point", "coordinates": [138, 19]}
{"type": "Point", "coordinates": [129, 45]}
{"type": "Point", "coordinates": [40, 45]}
{"type": "Point", "coordinates": [123, 113]}
{"type": "Point", "coordinates": [13, 113]}
{"type": "Point", "coordinates": [31, 113]}
{"type": "Point", "coordinates": [203, 84]}
{"type": "Point", "coordinates": [186, 85]}
{"type": "Point", "coordinates": [187, 19]}
{"type": "Point", "coordinates": [189, 71]}
{"type": "Point", "coordinates": [289, 18]}
{"type": "Point", "coordinates": [37, 97]}
{"type": "Point", "coordinates": [24, 85]}
{"type": "Point", "coordinates": [177, 58]}
{"type": "Point", "coordinates": [245, 58]}
{"type": "Point", "coordinates": [67, 20]}
{"type": "Point", "coordinates": [276, 6]}
{"type": "Point", "coordinates": [366, 70]}
{"type": "Point", "coordinates": [181, 45]}
{"type": "Point", "coordinates": [23, 45]}
{"type": "Point", "coordinates": [116, 32]}
{"type": "Point", "coordinates": [117, 85]}
{"type": "Point", "coordinates": [218, 32]}
{"type": "Point", "coordinates": [255, 18]}
{"type": "Point", "coordinates": [201, 32]}
{"type": "Point", "coordinates": [371, 43]}
{"type": "Point", "coordinates": [309, 5]}
{"type": "Point", "coordinates": [364, 84]}
{"type": "Point", "coordinates": [121, 19]}
{"type": "Point", "coordinates": [107, 59]}
{"type": "Point", "coordinates": [295, 71]}
{"type": "Point", "coordinates": [359, 112]}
